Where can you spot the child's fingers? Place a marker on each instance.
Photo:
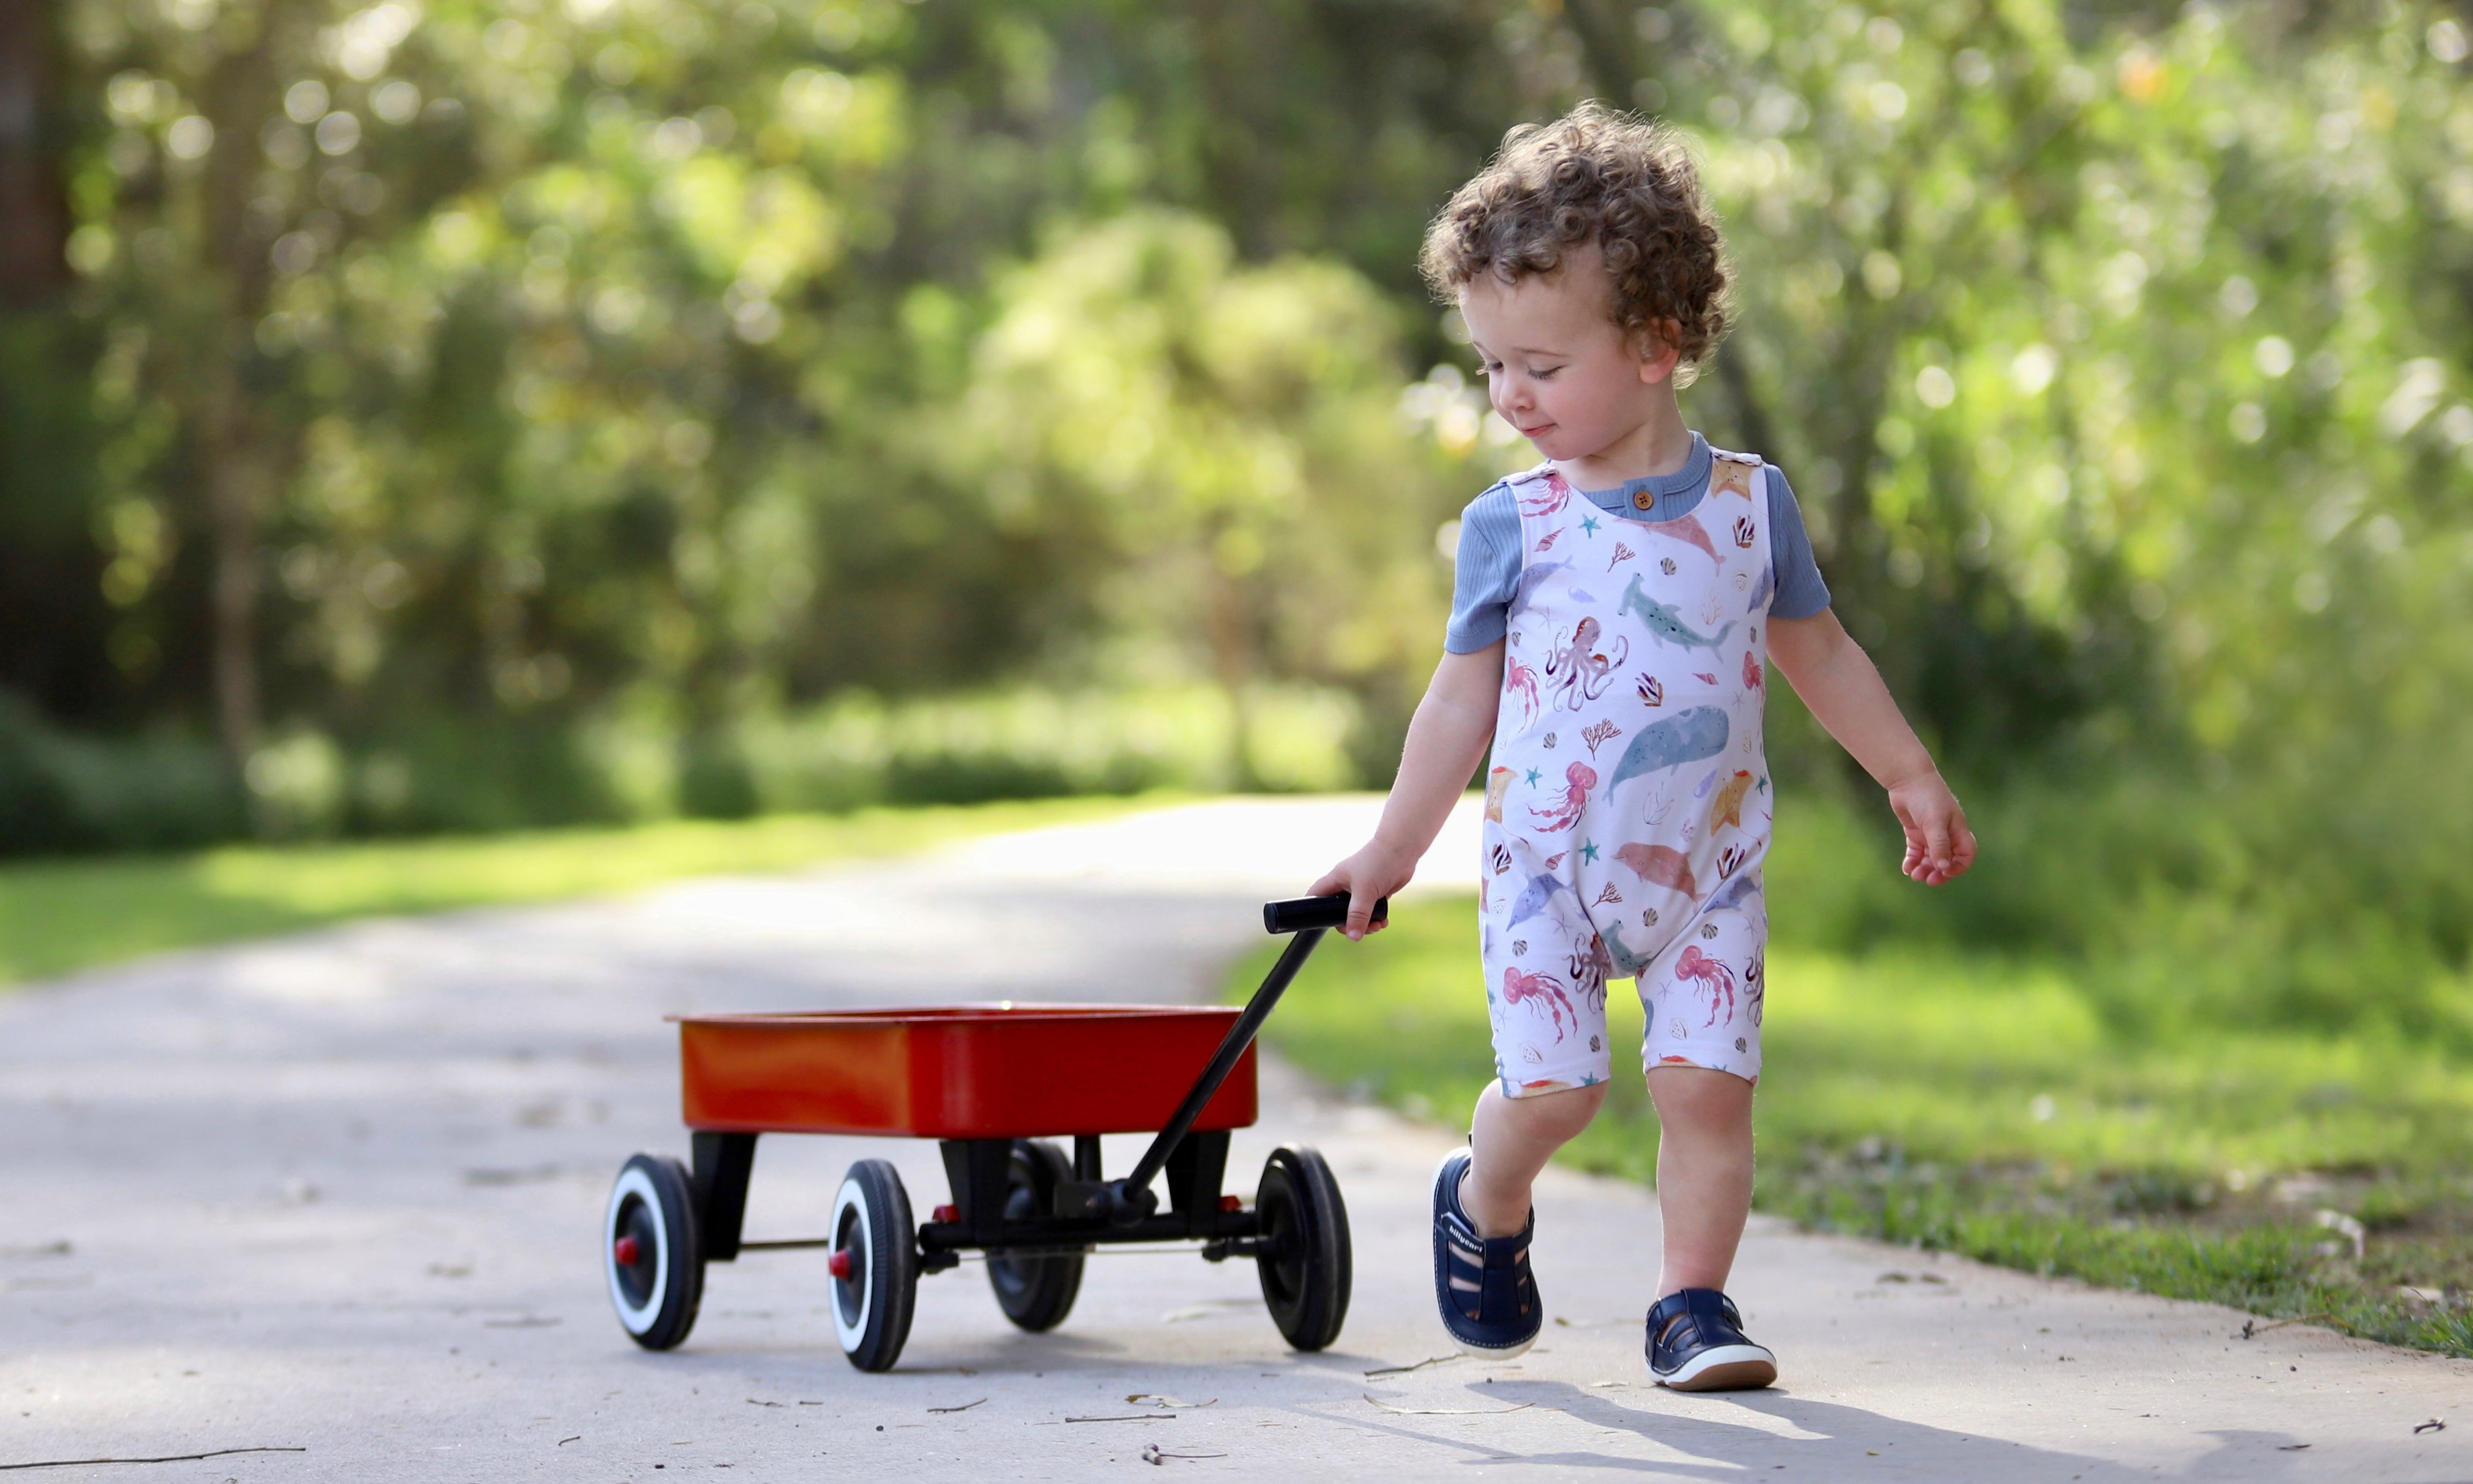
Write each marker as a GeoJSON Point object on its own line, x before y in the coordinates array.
{"type": "Point", "coordinates": [1360, 914]}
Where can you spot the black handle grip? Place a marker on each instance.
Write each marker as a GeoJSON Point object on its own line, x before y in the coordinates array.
{"type": "Point", "coordinates": [1299, 912]}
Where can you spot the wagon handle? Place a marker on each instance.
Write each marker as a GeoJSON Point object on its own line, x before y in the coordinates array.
{"type": "Point", "coordinates": [1131, 1199]}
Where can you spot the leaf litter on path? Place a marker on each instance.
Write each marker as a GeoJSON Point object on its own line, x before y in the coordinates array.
{"type": "Point", "coordinates": [1448, 1411]}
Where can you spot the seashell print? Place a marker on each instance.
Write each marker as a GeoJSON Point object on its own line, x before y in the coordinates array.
{"type": "Point", "coordinates": [1666, 564]}
{"type": "Point", "coordinates": [1648, 919]}
{"type": "Point", "coordinates": [1708, 929]}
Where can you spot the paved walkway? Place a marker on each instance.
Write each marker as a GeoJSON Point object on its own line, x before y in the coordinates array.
{"type": "Point", "coordinates": [340, 1192]}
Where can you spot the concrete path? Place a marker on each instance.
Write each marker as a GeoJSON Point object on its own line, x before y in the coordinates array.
{"type": "Point", "coordinates": [339, 1193]}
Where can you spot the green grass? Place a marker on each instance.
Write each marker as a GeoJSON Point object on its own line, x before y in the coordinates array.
{"type": "Point", "coordinates": [1986, 1106]}
{"type": "Point", "coordinates": [61, 915]}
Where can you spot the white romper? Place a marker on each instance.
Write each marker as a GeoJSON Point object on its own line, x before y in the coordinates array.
{"type": "Point", "coordinates": [1628, 804]}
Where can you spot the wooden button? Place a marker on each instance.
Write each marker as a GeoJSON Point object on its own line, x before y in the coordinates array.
{"type": "Point", "coordinates": [1641, 499]}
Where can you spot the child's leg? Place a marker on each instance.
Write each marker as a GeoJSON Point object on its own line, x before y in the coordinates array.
{"type": "Point", "coordinates": [1510, 1139]}
{"type": "Point", "coordinates": [1704, 1172]}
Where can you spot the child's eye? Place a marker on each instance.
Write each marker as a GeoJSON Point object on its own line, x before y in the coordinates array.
{"type": "Point", "coordinates": [1548, 374]}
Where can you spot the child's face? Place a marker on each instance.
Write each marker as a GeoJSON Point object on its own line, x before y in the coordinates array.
{"type": "Point", "coordinates": [1556, 367]}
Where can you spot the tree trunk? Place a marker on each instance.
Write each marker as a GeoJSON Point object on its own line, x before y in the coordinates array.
{"type": "Point", "coordinates": [34, 198]}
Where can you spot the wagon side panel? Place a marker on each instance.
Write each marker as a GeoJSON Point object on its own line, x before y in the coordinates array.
{"type": "Point", "coordinates": [839, 1077]}
{"type": "Point", "coordinates": [1099, 1074]}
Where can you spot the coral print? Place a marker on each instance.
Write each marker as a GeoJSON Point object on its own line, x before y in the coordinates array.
{"type": "Point", "coordinates": [1751, 671]}
{"type": "Point", "coordinates": [1546, 989]}
{"type": "Point", "coordinates": [1744, 531]}
{"type": "Point", "coordinates": [1582, 675]}
{"type": "Point", "coordinates": [1598, 733]}
{"type": "Point", "coordinates": [1712, 976]}
{"type": "Point", "coordinates": [1579, 779]}
{"type": "Point", "coordinates": [1622, 553]}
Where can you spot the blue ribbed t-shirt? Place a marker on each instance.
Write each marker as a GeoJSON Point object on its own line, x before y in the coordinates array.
{"type": "Point", "coordinates": [1488, 569]}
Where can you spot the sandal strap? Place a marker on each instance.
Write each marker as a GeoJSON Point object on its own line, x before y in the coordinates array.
{"type": "Point", "coordinates": [1694, 1317]}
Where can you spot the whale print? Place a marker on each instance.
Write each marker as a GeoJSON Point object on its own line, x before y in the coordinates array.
{"type": "Point", "coordinates": [1688, 530]}
{"type": "Point", "coordinates": [1686, 736]}
{"type": "Point", "coordinates": [1533, 900]}
{"type": "Point", "coordinates": [1661, 865]}
{"type": "Point", "coordinates": [1664, 620]}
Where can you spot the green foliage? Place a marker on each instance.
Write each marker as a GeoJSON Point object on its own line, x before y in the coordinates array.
{"type": "Point", "coordinates": [1992, 1105]}
{"type": "Point", "coordinates": [60, 915]}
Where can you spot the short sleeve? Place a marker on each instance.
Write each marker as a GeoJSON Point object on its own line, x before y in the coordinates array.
{"type": "Point", "coordinates": [1801, 593]}
{"type": "Point", "coordinates": [1485, 575]}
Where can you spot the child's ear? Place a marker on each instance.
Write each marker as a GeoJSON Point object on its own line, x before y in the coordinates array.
{"type": "Point", "coordinates": [1657, 348]}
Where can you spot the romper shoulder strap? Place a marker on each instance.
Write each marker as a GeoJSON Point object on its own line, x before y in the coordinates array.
{"type": "Point", "coordinates": [1731, 472]}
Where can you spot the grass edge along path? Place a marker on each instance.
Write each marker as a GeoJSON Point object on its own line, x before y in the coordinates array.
{"type": "Point", "coordinates": [61, 914]}
{"type": "Point", "coordinates": [1979, 1107]}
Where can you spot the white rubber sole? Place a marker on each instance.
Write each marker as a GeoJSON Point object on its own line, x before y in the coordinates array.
{"type": "Point", "coordinates": [1724, 1368]}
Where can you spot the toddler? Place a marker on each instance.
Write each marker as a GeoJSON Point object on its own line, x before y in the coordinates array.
{"type": "Point", "coordinates": [1612, 611]}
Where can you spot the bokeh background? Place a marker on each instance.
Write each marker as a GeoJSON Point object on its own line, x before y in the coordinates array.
{"type": "Point", "coordinates": [456, 415]}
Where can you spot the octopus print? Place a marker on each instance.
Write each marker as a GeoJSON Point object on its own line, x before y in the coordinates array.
{"type": "Point", "coordinates": [1581, 674]}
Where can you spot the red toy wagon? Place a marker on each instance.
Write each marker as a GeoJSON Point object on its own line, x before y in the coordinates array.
{"type": "Point", "coordinates": [991, 1083]}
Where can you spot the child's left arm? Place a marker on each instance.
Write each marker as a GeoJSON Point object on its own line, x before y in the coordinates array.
{"type": "Point", "coordinates": [1844, 692]}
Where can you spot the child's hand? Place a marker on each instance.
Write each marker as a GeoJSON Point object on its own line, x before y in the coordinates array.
{"type": "Point", "coordinates": [1939, 847]}
{"type": "Point", "coordinates": [1367, 876]}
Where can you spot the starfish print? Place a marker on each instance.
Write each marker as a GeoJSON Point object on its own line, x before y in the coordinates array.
{"type": "Point", "coordinates": [1589, 850]}
{"type": "Point", "coordinates": [1533, 776]}
{"type": "Point", "coordinates": [1589, 524]}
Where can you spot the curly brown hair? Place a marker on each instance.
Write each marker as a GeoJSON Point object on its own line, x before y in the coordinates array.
{"type": "Point", "coordinates": [1594, 176]}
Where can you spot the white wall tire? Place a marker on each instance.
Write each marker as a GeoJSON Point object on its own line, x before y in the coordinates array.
{"type": "Point", "coordinates": [876, 1266]}
{"type": "Point", "coordinates": [651, 1255]}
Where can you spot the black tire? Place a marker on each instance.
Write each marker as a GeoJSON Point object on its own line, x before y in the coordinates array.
{"type": "Point", "coordinates": [878, 1284]}
{"type": "Point", "coordinates": [1035, 1292]}
{"type": "Point", "coordinates": [1304, 1262]}
{"type": "Point", "coordinates": [651, 1223]}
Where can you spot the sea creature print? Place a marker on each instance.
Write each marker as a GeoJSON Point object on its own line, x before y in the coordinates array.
{"type": "Point", "coordinates": [1728, 806]}
{"type": "Point", "coordinates": [1518, 986]}
{"type": "Point", "coordinates": [1578, 779]}
{"type": "Point", "coordinates": [1686, 736]}
{"type": "Point", "coordinates": [1731, 860]}
{"type": "Point", "coordinates": [1520, 679]}
{"type": "Point", "coordinates": [1590, 966]}
{"type": "Point", "coordinates": [1496, 784]}
{"type": "Point", "coordinates": [1580, 673]}
{"type": "Point", "coordinates": [1666, 564]}
{"type": "Point", "coordinates": [1652, 689]}
{"type": "Point", "coordinates": [1746, 532]}
{"type": "Point", "coordinates": [1557, 494]}
{"type": "Point", "coordinates": [1704, 677]}
{"type": "Point", "coordinates": [1756, 984]}
{"type": "Point", "coordinates": [1732, 474]}
{"type": "Point", "coordinates": [1499, 858]}
{"type": "Point", "coordinates": [1659, 865]}
{"type": "Point", "coordinates": [1688, 530]}
{"type": "Point", "coordinates": [1712, 976]}
{"type": "Point", "coordinates": [1598, 733]}
{"type": "Point", "coordinates": [1534, 899]}
{"type": "Point", "coordinates": [1752, 672]}
{"type": "Point", "coordinates": [1546, 542]}
{"type": "Point", "coordinates": [1664, 620]}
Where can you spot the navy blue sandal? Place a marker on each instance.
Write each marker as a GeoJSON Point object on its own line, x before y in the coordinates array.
{"type": "Point", "coordinates": [1483, 1284]}
{"type": "Point", "coordinates": [1697, 1343]}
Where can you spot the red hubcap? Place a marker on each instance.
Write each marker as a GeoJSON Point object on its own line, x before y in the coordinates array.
{"type": "Point", "coordinates": [840, 1263]}
{"type": "Point", "coordinates": [626, 1252]}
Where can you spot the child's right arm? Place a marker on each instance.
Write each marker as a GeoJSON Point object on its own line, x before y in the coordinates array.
{"type": "Point", "coordinates": [1447, 740]}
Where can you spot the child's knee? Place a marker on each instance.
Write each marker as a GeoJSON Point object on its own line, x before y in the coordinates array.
{"type": "Point", "coordinates": [1700, 1098]}
{"type": "Point", "coordinates": [1557, 1115]}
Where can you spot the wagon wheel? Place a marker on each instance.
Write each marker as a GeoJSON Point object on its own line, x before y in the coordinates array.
{"type": "Point", "coordinates": [874, 1266]}
{"type": "Point", "coordinates": [652, 1251]}
{"type": "Point", "coordinates": [1304, 1258]}
{"type": "Point", "coordinates": [1035, 1292]}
